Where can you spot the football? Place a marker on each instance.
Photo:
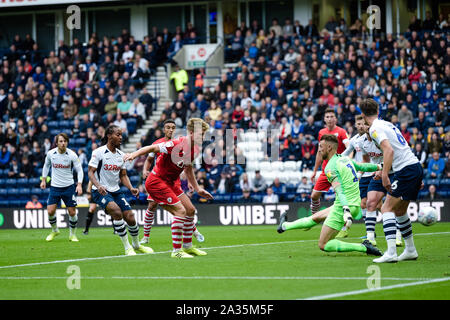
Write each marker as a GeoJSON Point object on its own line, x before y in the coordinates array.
{"type": "Point", "coordinates": [427, 216]}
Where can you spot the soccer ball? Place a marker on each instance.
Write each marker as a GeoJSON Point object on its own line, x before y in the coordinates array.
{"type": "Point", "coordinates": [427, 216]}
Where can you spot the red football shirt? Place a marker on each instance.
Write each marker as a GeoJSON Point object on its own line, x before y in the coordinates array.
{"type": "Point", "coordinates": [160, 140]}
{"type": "Point", "coordinates": [341, 134]}
{"type": "Point", "coordinates": [175, 155]}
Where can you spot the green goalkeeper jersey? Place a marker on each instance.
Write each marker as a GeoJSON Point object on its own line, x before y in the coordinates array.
{"type": "Point", "coordinates": [343, 169]}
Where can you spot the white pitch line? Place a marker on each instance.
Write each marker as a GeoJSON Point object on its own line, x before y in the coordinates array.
{"type": "Point", "coordinates": [207, 278]}
{"type": "Point", "coordinates": [160, 252]}
{"type": "Point", "coordinates": [350, 293]}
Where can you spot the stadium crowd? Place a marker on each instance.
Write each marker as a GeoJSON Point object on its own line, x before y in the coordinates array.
{"type": "Point", "coordinates": [284, 78]}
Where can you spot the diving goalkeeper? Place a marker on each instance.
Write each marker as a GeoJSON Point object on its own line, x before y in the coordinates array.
{"type": "Point", "coordinates": [341, 173]}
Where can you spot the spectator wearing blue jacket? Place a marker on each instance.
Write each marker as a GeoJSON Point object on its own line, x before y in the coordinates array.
{"type": "Point", "coordinates": [436, 167]}
{"type": "Point", "coordinates": [5, 155]}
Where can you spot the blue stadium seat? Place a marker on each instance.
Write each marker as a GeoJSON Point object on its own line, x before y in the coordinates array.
{"type": "Point", "coordinates": [45, 192]}
{"type": "Point", "coordinates": [64, 124]}
{"type": "Point", "coordinates": [13, 193]}
{"type": "Point", "coordinates": [24, 193]}
{"type": "Point", "coordinates": [67, 131]}
{"type": "Point", "coordinates": [34, 182]}
{"type": "Point", "coordinates": [52, 125]}
{"type": "Point", "coordinates": [3, 193]}
{"type": "Point", "coordinates": [131, 125]}
{"type": "Point", "coordinates": [15, 203]}
{"type": "Point", "coordinates": [3, 173]}
{"type": "Point", "coordinates": [38, 171]}
{"type": "Point", "coordinates": [81, 142]}
{"type": "Point", "coordinates": [428, 182]}
{"type": "Point", "coordinates": [54, 132]}
{"type": "Point", "coordinates": [135, 180]}
{"type": "Point", "coordinates": [2, 182]}
{"type": "Point", "coordinates": [36, 191]}
{"type": "Point", "coordinates": [4, 203]}
{"type": "Point", "coordinates": [445, 183]}
{"type": "Point", "coordinates": [10, 183]}
{"type": "Point", "coordinates": [22, 182]}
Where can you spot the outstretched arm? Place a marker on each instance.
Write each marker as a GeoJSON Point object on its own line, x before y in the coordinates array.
{"type": "Point", "coordinates": [145, 150]}
{"type": "Point", "coordinates": [366, 167]}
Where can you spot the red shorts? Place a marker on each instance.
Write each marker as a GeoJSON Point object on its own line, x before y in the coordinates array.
{"type": "Point", "coordinates": [322, 184]}
{"type": "Point", "coordinates": [161, 191]}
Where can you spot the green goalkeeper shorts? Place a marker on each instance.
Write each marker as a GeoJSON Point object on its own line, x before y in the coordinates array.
{"type": "Point", "coordinates": [335, 219]}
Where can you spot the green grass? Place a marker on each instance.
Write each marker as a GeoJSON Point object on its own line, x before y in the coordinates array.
{"type": "Point", "coordinates": [242, 262]}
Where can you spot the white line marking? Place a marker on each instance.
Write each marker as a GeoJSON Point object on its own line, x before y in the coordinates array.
{"type": "Point", "coordinates": [349, 293]}
{"type": "Point", "coordinates": [209, 278]}
{"type": "Point", "coordinates": [160, 252]}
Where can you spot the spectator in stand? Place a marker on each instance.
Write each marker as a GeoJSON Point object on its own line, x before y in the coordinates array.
{"type": "Point", "coordinates": [123, 107]}
{"type": "Point", "coordinates": [122, 124]}
{"type": "Point", "coordinates": [420, 153]}
{"type": "Point", "coordinates": [447, 167]}
{"type": "Point", "coordinates": [245, 182]}
{"type": "Point", "coordinates": [432, 193]}
{"type": "Point", "coordinates": [246, 197]}
{"type": "Point", "coordinates": [435, 143]}
{"type": "Point", "coordinates": [259, 183]}
{"type": "Point", "coordinates": [5, 156]}
{"type": "Point", "coordinates": [305, 186]}
{"type": "Point", "coordinates": [307, 162]}
{"type": "Point", "coordinates": [223, 184]}
{"type": "Point", "coordinates": [137, 111]}
{"type": "Point", "coordinates": [278, 187]}
{"type": "Point", "coordinates": [34, 203]}
{"type": "Point", "coordinates": [405, 115]}
{"type": "Point", "coordinates": [436, 166]}
{"type": "Point", "coordinates": [270, 196]}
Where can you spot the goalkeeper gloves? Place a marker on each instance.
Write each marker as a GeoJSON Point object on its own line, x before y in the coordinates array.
{"type": "Point", "coordinates": [348, 219]}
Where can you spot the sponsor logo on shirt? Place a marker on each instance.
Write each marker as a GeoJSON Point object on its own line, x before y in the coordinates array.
{"type": "Point", "coordinates": [60, 166]}
{"type": "Point", "coordinates": [111, 167]}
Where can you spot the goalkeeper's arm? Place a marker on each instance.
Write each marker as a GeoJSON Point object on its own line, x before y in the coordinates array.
{"type": "Point", "coordinates": [337, 187]}
{"type": "Point", "coordinates": [367, 167]}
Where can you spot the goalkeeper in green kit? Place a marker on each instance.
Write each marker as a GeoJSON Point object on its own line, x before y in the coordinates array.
{"type": "Point", "coordinates": [341, 173]}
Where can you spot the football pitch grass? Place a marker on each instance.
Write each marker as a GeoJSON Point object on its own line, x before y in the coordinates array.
{"type": "Point", "coordinates": [243, 263]}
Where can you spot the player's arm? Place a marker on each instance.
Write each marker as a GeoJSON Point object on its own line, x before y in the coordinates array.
{"type": "Point", "coordinates": [317, 163]}
{"type": "Point", "coordinates": [388, 157]}
{"type": "Point", "coordinates": [335, 179]}
{"type": "Point", "coordinates": [147, 165]}
{"type": "Point", "coordinates": [91, 174]}
{"type": "Point", "coordinates": [45, 170]}
{"type": "Point", "coordinates": [347, 152]}
{"type": "Point", "coordinates": [189, 171]}
{"type": "Point", "coordinates": [127, 183]}
{"type": "Point", "coordinates": [80, 174]}
{"type": "Point", "coordinates": [366, 167]}
{"type": "Point", "coordinates": [155, 148]}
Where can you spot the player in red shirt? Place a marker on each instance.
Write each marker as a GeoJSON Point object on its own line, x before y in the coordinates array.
{"type": "Point", "coordinates": [169, 128]}
{"type": "Point", "coordinates": [176, 156]}
{"type": "Point", "coordinates": [322, 184]}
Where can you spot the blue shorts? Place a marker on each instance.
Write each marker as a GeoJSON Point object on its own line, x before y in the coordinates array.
{"type": "Point", "coordinates": [407, 182]}
{"type": "Point", "coordinates": [377, 185]}
{"type": "Point", "coordinates": [363, 186]}
{"type": "Point", "coordinates": [66, 194]}
{"type": "Point", "coordinates": [117, 197]}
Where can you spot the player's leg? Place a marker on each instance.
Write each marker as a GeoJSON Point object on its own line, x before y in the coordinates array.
{"type": "Point", "coordinates": [73, 219]}
{"type": "Point", "coordinates": [333, 223]}
{"type": "Point", "coordinates": [188, 227]}
{"type": "Point", "coordinates": [405, 228]}
{"type": "Point", "coordinates": [389, 228]}
{"type": "Point", "coordinates": [69, 198]}
{"type": "Point", "coordinates": [179, 212]}
{"type": "Point", "coordinates": [197, 234]}
{"type": "Point", "coordinates": [405, 188]}
{"type": "Point", "coordinates": [305, 223]}
{"type": "Point", "coordinates": [373, 201]}
{"type": "Point", "coordinates": [90, 215]}
{"type": "Point", "coordinates": [51, 210]}
{"type": "Point", "coordinates": [133, 227]}
{"type": "Point", "coordinates": [148, 220]}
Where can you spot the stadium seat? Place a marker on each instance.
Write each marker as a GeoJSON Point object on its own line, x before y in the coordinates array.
{"type": "Point", "coordinates": [4, 203]}
{"type": "Point", "coordinates": [131, 125]}
{"type": "Point", "coordinates": [22, 182]}
{"type": "Point", "coordinates": [36, 191]}
{"type": "Point", "coordinates": [252, 165]}
{"type": "Point", "coordinates": [3, 193]}
{"type": "Point", "coordinates": [13, 193]}
{"type": "Point", "coordinates": [34, 182]}
{"type": "Point", "coordinates": [52, 125]}
{"type": "Point", "coordinates": [262, 134]}
{"type": "Point", "coordinates": [428, 182]}
{"type": "Point", "coordinates": [64, 124]}
{"type": "Point", "coordinates": [24, 193]}
{"type": "Point", "coordinates": [299, 164]}
{"type": "Point", "coordinates": [265, 166]}
{"type": "Point", "coordinates": [251, 136]}
{"type": "Point", "coordinates": [3, 173]}
{"type": "Point", "coordinates": [15, 203]}
{"type": "Point", "coordinates": [11, 183]}
{"type": "Point", "coordinates": [54, 132]}
{"type": "Point", "coordinates": [135, 180]}
{"type": "Point", "coordinates": [290, 166]}
{"type": "Point", "coordinates": [277, 166]}
{"type": "Point", "coordinates": [2, 182]}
